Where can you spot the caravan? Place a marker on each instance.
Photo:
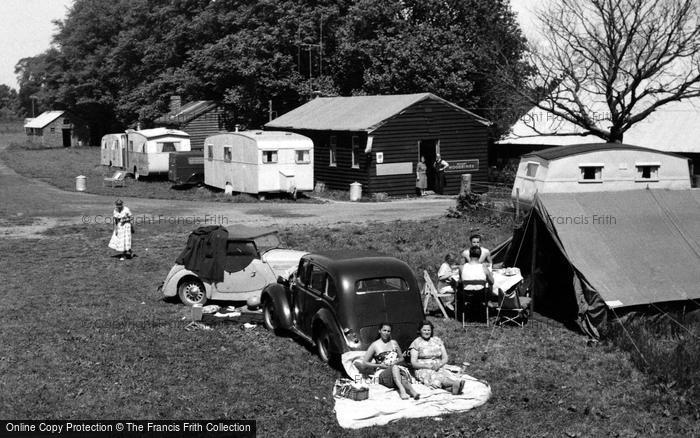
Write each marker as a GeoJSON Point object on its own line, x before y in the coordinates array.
{"type": "Point", "coordinates": [113, 150]}
{"type": "Point", "coordinates": [259, 162]}
{"type": "Point", "coordinates": [148, 150]}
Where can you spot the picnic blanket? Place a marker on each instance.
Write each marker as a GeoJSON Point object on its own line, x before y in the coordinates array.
{"type": "Point", "coordinates": [384, 405]}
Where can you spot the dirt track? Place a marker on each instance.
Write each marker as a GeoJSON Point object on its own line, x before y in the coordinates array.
{"type": "Point", "coordinates": [28, 206]}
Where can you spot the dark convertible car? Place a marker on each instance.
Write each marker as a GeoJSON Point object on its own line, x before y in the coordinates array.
{"type": "Point", "coordinates": [336, 302]}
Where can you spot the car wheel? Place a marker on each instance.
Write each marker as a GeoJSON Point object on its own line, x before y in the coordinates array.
{"type": "Point", "coordinates": [269, 317]}
{"type": "Point", "coordinates": [192, 292]}
{"type": "Point", "coordinates": [323, 344]}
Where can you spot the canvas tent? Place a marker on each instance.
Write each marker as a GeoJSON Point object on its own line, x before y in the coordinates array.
{"type": "Point", "coordinates": [585, 253]}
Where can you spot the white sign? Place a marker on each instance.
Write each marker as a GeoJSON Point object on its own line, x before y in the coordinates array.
{"type": "Point", "coordinates": [380, 157]}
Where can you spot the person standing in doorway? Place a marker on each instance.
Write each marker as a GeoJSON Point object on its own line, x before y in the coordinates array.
{"type": "Point", "coordinates": [421, 176]}
{"type": "Point", "coordinates": [440, 166]}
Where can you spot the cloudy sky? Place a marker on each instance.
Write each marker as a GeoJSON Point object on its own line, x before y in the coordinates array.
{"type": "Point", "coordinates": [26, 28]}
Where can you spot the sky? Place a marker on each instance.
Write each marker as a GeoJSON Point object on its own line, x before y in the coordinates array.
{"type": "Point", "coordinates": [26, 28]}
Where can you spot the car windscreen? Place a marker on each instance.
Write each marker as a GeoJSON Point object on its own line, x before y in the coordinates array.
{"type": "Point", "coordinates": [381, 284]}
{"type": "Point", "coordinates": [267, 241]}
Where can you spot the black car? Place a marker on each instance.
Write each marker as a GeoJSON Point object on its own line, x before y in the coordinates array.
{"type": "Point", "coordinates": [337, 302]}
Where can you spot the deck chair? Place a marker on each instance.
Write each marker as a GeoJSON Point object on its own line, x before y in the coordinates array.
{"type": "Point", "coordinates": [116, 180]}
{"type": "Point", "coordinates": [473, 296]}
{"type": "Point", "coordinates": [512, 308]}
{"type": "Point", "coordinates": [429, 291]}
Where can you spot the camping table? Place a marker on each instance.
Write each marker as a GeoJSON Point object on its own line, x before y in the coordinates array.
{"type": "Point", "coordinates": [506, 282]}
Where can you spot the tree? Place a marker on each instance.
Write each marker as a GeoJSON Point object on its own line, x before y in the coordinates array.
{"type": "Point", "coordinates": [625, 58]}
{"type": "Point", "coordinates": [9, 102]}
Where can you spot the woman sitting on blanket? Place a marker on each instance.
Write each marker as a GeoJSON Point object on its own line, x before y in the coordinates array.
{"type": "Point", "coordinates": [428, 359]}
{"type": "Point", "coordinates": [385, 354]}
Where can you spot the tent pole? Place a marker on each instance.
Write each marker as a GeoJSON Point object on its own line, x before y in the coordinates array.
{"type": "Point", "coordinates": [533, 265]}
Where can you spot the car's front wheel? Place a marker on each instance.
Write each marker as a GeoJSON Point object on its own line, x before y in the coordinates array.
{"type": "Point", "coordinates": [322, 338]}
{"type": "Point", "coordinates": [191, 292]}
{"type": "Point", "coordinates": [269, 317]}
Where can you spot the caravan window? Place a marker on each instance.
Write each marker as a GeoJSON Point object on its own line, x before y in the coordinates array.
{"type": "Point", "coordinates": [167, 146]}
{"type": "Point", "coordinates": [269, 157]}
{"type": "Point", "coordinates": [333, 157]}
{"type": "Point", "coordinates": [355, 152]}
{"type": "Point", "coordinates": [648, 171]}
{"type": "Point", "coordinates": [302, 157]}
{"type": "Point", "coordinates": [227, 153]}
{"type": "Point", "coordinates": [531, 170]}
{"type": "Point", "coordinates": [591, 173]}
{"type": "Point", "coordinates": [210, 152]}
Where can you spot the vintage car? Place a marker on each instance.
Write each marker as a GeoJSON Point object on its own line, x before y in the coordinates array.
{"type": "Point", "coordinates": [231, 264]}
{"type": "Point", "coordinates": [336, 302]}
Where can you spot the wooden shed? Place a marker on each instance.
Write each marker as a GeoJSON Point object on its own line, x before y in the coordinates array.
{"type": "Point", "coordinates": [56, 129]}
{"type": "Point", "coordinates": [199, 119]}
{"type": "Point", "coordinates": [378, 140]}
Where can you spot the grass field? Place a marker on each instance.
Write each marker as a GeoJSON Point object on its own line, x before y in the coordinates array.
{"type": "Point", "coordinates": [85, 335]}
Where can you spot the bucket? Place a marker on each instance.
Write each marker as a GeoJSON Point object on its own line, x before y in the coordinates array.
{"type": "Point", "coordinates": [80, 183]}
{"type": "Point", "coordinates": [355, 191]}
{"type": "Point", "coordinates": [197, 312]}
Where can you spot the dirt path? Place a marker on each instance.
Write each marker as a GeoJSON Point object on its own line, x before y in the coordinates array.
{"type": "Point", "coordinates": [29, 206]}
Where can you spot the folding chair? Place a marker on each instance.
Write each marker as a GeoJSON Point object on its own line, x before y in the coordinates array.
{"type": "Point", "coordinates": [512, 308]}
{"type": "Point", "coordinates": [429, 291]}
{"type": "Point", "coordinates": [473, 296]}
{"type": "Point", "coordinates": [116, 180]}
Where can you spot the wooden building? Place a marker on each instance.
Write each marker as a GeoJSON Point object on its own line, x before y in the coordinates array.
{"type": "Point", "coordinates": [378, 140]}
{"type": "Point", "coordinates": [55, 129]}
{"type": "Point", "coordinates": [199, 119]}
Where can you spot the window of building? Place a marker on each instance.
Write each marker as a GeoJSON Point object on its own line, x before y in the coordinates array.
{"type": "Point", "coordinates": [303, 156]}
{"type": "Point", "coordinates": [647, 171]}
{"type": "Point", "coordinates": [210, 152]}
{"type": "Point", "coordinates": [227, 153]}
{"type": "Point", "coordinates": [531, 170]}
{"type": "Point", "coordinates": [53, 129]}
{"type": "Point", "coordinates": [269, 157]}
{"type": "Point", "coordinates": [591, 173]}
{"type": "Point", "coordinates": [355, 152]}
{"type": "Point", "coordinates": [333, 151]}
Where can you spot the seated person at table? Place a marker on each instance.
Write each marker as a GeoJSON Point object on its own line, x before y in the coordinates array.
{"type": "Point", "coordinates": [447, 274]}
{"type": "Point", "coordinates": [428, 359]}
{"type": "Point", "coordinates": [475, 270]}
{"type": "Point", "coordinates": [385, 354]}
{"type": "Point", "coordinates": [485, 257]}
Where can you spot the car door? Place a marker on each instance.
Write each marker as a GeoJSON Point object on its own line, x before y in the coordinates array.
{"type": "Point", "coordinates": [243, 269]}
{"type": "Point", "coordinates": [308, 297]}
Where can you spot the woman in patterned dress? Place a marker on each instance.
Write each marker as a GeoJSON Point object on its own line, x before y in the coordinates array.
{"type": "Point", "coordinates": [121, 235]}
{"type": "Point", "coordinates": [428, 358]}
{"type": "Point", "coordinates": [421, 176]}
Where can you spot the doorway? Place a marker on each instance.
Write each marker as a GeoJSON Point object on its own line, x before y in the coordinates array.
{"type": "Point", "coordinates": [66, 138]}
{"type": "Point", "coordinates": [429, 148]}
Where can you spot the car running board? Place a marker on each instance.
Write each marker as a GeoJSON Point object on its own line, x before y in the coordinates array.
{"type": "Point", "coordinates": [299, 333]}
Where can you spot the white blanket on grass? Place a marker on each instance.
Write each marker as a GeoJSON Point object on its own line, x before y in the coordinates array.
{"type": "Point", "coordinates": [385, 405]}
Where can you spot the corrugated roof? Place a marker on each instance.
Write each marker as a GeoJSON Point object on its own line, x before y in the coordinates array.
{"type": "Point", "coordinates": [353, 113]}
{"type": "Point", "coordinates": [44, 119]}
{"type": "Point", "coordinates": [187, 112]}
{"type": "Point", "coordinates": [568, 150]}
{"type": "Point", "coordinates": [633, 247]}
{"type": "Point", "coordinates": [674, 127]}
